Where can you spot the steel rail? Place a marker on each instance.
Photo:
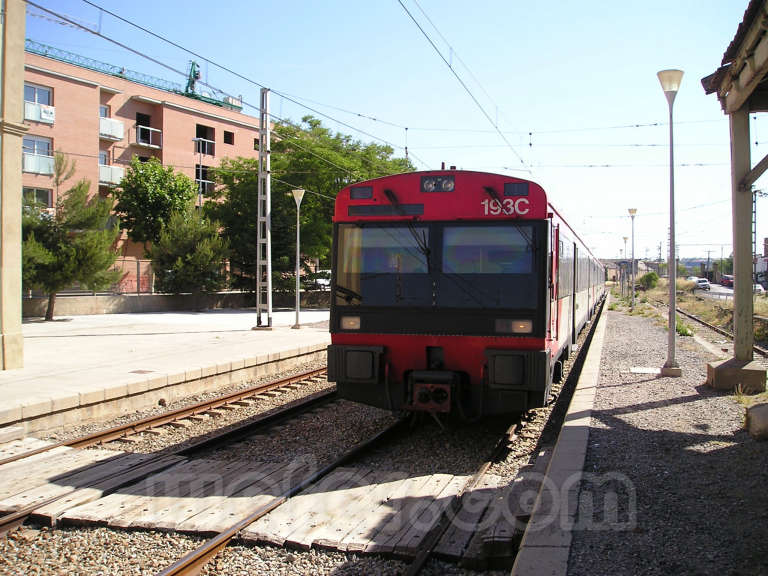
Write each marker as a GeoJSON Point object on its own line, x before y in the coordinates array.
{"type": "Point", "coordinates": [761, 351]}
{"type": "Point", "coordinates": [193, 562]}
{"type": "Point", "coordinates": [452, 510]}
{"type": "Point", "coordinates": [11, 520]}
{"type": "Point", "coordinates": [166, 417]}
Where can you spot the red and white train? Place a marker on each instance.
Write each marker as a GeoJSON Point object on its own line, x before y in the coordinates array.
{"type": "Point", "coordinates": [454, 291]}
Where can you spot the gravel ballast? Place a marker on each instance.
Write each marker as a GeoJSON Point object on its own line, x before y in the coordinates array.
{"type": "Point", "coordinates": [687, 491]}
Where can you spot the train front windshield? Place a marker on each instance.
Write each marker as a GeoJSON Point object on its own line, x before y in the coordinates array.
{"type": "Point", "coordinates": [446, 265]}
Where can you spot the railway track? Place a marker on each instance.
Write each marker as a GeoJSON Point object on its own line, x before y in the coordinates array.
{"type": "Point", "coordinates": [153, 464]}
{"type": "Point", "coordinates": [761, 351]}
{"type": "Point", "coordinates": [193, 562]}
{"type": "Point", "coordinates": [306, 483]}
{"type": "Point", "coordinates": [227, 401]}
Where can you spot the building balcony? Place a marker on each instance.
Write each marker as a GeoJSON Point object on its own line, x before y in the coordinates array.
{"type": "Point", "coordinates": [110, 175]}
{"type": "Point", "coordinates": [203, 146]}
{"type": "Point", "coordinates": [148, 137]}
{"type": "Point", "coordinates": [110, 129]}
{"type": "Point", "coordinates": [37, 164]}
{"type": "Point", "coordinates": [39, 113]}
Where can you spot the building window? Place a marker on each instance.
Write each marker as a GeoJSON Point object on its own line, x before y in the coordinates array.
{"type": "Point", "coordinates": [40, 196]}
{"type": "Point", "coordinates": [38, 94]}
{"type": "Point", "coordinates": [255, 143]}
{"type": "Point", "coordinates": [205, 138]}
{"type": "Point", "coordinates": [37, 145]}
{"type": "Point", "coordinates": [229, 137]}
{"type": "Point", "coordinates": [103, 111]}
{"type": "Point", "coordinates": [104, 157]}
{"type": "Point", "coordinates": [143, 158]}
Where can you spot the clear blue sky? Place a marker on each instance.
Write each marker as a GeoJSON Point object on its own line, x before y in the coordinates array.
{"type": "Point", "coordinates": [579, 76]}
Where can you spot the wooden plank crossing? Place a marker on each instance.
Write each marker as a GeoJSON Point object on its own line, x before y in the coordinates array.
{"type": "Point", "coordinates": [360, 510]}
{"type": "Point", "coordinates": [15, 447]}
{"type": "Point", "coordinates": [69, 483]}
{"type": "Point", "coordinates": [48, 467]}
{"type": "Point", "coordinates": [455, 541]}
{"type": "Point", "coordinates": [50, 513]}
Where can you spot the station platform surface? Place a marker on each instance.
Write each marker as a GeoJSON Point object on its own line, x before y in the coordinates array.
{"type": "Point", "coordinates": [650, 474]}
{"type": "Point", "coordinates": [90, 361]}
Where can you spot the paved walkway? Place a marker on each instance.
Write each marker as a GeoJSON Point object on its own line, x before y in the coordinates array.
{"type": "Point", "coordinates": [79, 360]}
{"type": "Point", "coordinates": [650, 475]}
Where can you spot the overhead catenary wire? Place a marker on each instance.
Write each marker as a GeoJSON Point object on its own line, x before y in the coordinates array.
{"type": "Point", "coordinates": [409, 152]}
{"type": "Point", "coordinates": [250, 80]}
{"type": "Point", "coordinates": [464, 85]}
{"type": "Point", "coordinates": [175, 70]}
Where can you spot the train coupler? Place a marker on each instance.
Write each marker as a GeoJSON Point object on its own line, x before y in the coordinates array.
{"type": "Point", "coordinates": [432, 390]}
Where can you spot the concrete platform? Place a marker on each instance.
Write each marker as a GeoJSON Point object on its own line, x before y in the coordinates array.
{"type": "Point", "coordinates": [86, 368]}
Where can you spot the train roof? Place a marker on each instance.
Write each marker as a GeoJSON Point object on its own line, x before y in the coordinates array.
{"type": "Point", "coordinates": [446, 195]}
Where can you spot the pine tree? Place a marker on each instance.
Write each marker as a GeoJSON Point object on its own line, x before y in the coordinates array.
{"type": "Point", "coordinates": [75, 245]}
{"type": "Point", "coordinates": [190, 255]}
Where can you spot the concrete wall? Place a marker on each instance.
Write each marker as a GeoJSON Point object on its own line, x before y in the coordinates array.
{"type": "Point", "coordinates": [125, 303]}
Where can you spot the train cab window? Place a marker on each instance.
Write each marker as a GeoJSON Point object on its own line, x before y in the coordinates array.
{"type": "Point", "coordinates": [387, 265]}
{"type": "Point", "coordinates": [495, 250]}
{"type": "Point", "coordinates": [489, 267]}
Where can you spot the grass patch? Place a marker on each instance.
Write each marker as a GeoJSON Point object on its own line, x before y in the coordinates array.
{"type": "Point", "coordinates": [748, 400]}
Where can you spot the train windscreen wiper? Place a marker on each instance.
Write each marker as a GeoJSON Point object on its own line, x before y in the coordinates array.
{"type": "Point", "coordinates": [349, 295]}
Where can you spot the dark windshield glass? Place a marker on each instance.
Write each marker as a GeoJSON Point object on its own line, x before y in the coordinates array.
{"type": "Point", "coordinates": [488, 266]}
{"type": "Point", "coordinates": [383, 266]}
{"type": "Point", "coordinates": [479, 266]}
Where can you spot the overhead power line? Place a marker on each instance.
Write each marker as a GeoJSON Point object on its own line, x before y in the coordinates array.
{"type": "Point", "coordinates": [464, 85]}
{"type": "Point", "coordinates": [286, 96]}
{"type": "Point", "coordinates": [172, 69]}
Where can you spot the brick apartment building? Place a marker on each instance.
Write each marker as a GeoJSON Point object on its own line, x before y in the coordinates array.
{"type": "Point", "coordinates": [101, 116]}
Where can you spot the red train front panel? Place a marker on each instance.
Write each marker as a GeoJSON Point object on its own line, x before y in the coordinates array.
{"type": "Point", "coordinates": [441, 293]}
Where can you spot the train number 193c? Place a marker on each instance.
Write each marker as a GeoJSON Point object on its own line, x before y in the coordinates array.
{"type": "Point", "coordinates": [508, 206]}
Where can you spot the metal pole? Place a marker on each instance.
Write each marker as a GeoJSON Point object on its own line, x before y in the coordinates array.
{"type": "Point", "coordinates": [298, 293]}
{"type": "Point", "coordinates": [631, 212]}
{"type": "Point", "coordinates": [671, 367]}
{"type": "Point", "coordinates": [200, 181]}
{"type": "Point", "coordinates": [297, 196]}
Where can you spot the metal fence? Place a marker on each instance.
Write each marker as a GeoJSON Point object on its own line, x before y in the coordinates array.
{"type": "Point", "coordinates": [136, 276]}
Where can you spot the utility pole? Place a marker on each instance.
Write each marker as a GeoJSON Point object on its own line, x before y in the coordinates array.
{"type": "Point", "coordinates": [264, 219]}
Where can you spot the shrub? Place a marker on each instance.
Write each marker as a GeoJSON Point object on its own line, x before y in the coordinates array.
{"type": "Point", "coordinates": [649, 281]}
{"type": "Point", "coordinates": [190, 255]}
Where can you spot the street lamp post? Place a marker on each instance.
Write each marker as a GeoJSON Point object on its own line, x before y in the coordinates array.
{"type": "Point", "coordinates": [297, 196]}
{"type": "Point", "coordinates": [199, 142]}
{"type": "Point", "coordinates": [624, 279]}
{"type": "Point", "coordinates": [632, 212]}
{"type": "Point", "coordinates": [670, 83]}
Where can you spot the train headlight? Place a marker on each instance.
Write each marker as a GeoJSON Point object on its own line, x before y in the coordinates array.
{"type": "Point", "coordinates": [350, 322]}
{"type": "Point", "coordinates": [514, 326]}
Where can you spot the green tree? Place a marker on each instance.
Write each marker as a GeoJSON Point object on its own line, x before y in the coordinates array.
{"type": "Point", "coordinates": [63, 169]}
{"type": "Point", "coordinates": [147, 196]}
{"type": "Point", "coordinates": [77, 245]}
{"type": "Point", "coordinates": [312, 157]}
{"type": "Point", "coordinates": [236, 212]}
{"type": "Point", "coordinates": [190, 255]}
{"type": "Point", "coordinates": [306, 156]}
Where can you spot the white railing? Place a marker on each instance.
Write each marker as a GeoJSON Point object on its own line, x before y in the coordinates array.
{"type": "Point", "coordinates": [204, 146]}
{"type": "Point", "coordinates": [111, 129]}
{"type": "Point", "coordinates": [39, 112]}
{"type": "Point", "coordinates": [110, 174]}
{"type": "Point", "coordinates": [37, 164]}
{"type": "Point", "coordinates": [150, 137]}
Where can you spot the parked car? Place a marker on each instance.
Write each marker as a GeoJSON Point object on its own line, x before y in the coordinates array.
{"type": "Point", "coordinates": [323, 280]}
{"type": "Point", "coordinates": [703, 284]}
{"type": "Point", "coordinates": [727, 280]}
